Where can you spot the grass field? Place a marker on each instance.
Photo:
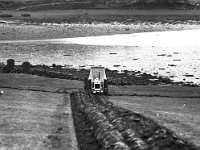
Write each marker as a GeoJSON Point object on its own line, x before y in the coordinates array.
{"type": "Point", "coordinates": [174, 107]}
{"type": "Point", "coordinates": [33, 110]}
{"type": "Point", "coordinates": [62, 4]}
{"type": "Point", "coordinates": [105, 15]}
{"type": "Point", "coordinates": [34, 115]}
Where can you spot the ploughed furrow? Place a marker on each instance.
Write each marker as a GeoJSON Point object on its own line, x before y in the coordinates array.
{"type": "Point", "coordinates": [84, 131]}
{"type": "Point", "coordinates": [115, 128]}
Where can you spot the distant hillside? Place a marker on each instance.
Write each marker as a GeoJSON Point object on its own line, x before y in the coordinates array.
{"type": "Point", "coordinates": [9, 4]}
{"type": "Point", "coordinates": [89, 4]}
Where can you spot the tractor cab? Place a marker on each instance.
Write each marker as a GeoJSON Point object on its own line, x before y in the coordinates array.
{"type": "Point", "coordinates": [97, 81]}
{"type": "Point", "coordinates": [97, 85]}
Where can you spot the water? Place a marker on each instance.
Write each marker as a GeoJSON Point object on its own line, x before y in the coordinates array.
{"type": "Point", "coordinates": [175, 54]}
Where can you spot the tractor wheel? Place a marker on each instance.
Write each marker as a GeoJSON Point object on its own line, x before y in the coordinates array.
{"type": "Point", "coordinates": [105, 84]}
{"type": "Point", "coordinates": [105, 87]}
{"type": "Point", "coordinates": [105, 91]}
{"type": "Point", "coordinates": [86, 87]}
{"type": "Point", "coordinates": [89, 85]}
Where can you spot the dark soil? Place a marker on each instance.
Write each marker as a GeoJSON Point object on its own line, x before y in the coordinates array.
{"type": "Point", "coordinates": [84, 134]}
{"type": "Point", "coordinates": [112, 127]}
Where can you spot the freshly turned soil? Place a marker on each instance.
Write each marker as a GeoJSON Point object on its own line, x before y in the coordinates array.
{"type": "Point", "coordinates": [92, 112]}
{"type": "Point", "coordinates": [84, 134]}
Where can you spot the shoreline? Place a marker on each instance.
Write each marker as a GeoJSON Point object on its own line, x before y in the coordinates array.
{"type": "Point", "coordinates": [13, 29]}
{"type": "Point", "coordinates": [24, 30]}
{"type": "Point", "coordinates": [66, 54]}
{"type": "Point", "coordinates": [114, 77]}
{"type": "Point", "coordinates": [102, 15]}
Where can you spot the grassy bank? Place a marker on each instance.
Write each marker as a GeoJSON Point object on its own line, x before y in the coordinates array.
{"type": "Point", "coordinates": [114, 77]}
{"type": "Point", "coordinates": [35, 113]}
{"type": "Point", "coordinates": [103, 15]}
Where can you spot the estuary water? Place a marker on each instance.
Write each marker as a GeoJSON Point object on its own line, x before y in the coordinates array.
{"type": "Point", "coordinates": [174, 54]}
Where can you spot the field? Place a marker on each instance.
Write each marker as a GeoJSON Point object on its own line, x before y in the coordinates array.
{"type": "Point", "coordinates": [35, 113]}
{"type": "Point", "coordinates": [92, 4]}
{"type": "Point", "coordinates": [174, 107]}
{"type": "Point", "coordinates": [126, 124]}
{"type": "Point", "coordinates": [104, 15]}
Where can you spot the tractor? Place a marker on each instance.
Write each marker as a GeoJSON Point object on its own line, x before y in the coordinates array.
{"type": "Point", "coordinates": [97, 81]}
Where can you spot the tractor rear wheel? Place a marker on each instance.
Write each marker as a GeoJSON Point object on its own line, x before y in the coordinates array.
{"type": "Point", "coordinates": [105, 91]}
{"type": "Point", "coordinates": [105, 87]}
{"type": "Point", "coordinates": [89, 85]}
{"type": "Point", "coordinates": [86, 84]}
{"type": "Point", "coordinates": [105, 84]}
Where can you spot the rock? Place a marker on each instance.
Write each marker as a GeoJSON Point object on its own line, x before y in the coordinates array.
{"type": "Point", "coordinates": [180, 142]}
{"type": "Point", "coordinates": [1, 93]}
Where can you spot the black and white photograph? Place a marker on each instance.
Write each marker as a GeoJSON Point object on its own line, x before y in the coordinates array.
{"type": "Point", "coordinates": [99, 74]}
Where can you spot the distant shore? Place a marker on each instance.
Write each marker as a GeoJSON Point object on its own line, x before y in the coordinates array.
{"type": "Point", "coordinates": [114, 77]}
{"type": "Point", "coordinates": [19, 25]}
{"type": "Point", "coordinates": [102, 15]}
{"type": "Point", "coordinates": [53, 24]}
